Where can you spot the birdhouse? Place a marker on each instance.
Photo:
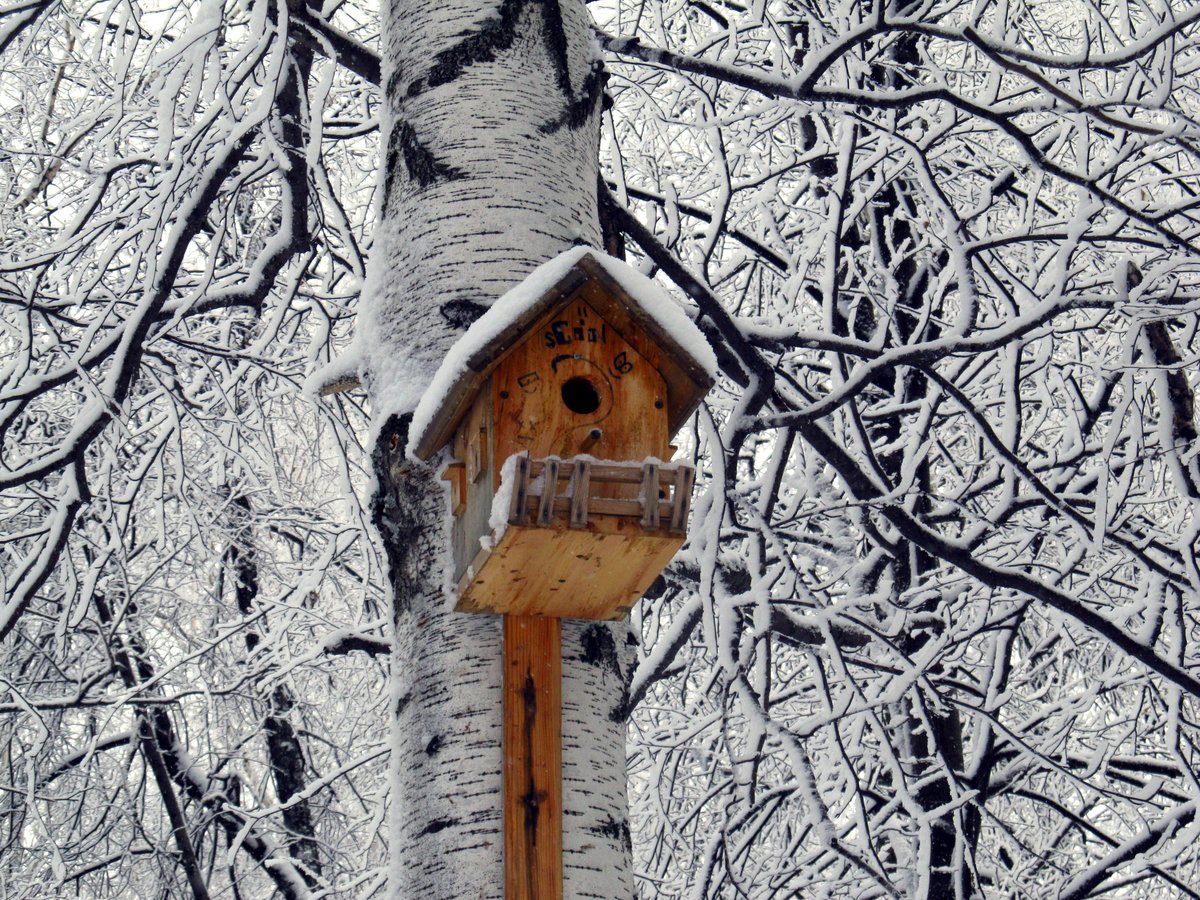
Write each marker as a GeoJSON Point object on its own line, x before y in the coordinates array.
{"type": "Point", "coordinates": [559, 405]}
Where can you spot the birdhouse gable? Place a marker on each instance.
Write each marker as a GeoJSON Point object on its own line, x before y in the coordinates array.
{"type": "Point", "coordinates": [598, 327]}
{"type": "Point", "coordinates": [574, 384]}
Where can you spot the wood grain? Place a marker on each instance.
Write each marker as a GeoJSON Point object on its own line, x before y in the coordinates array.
{"type": "Point", "coordinates": [527, 393]}
{"type": "Point", "coordinates": [568, 573]}
{"type": "Point", "coordinates": [532, 759]}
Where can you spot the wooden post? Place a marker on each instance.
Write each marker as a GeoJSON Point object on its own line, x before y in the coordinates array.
{"type": "Point", "coordinates": [532, 758]}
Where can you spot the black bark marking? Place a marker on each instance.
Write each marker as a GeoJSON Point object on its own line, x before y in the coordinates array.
{"type": "Point", "coordinates": [439, 825]}
{"type": "Point", "coordinates": [420, 163]}
{"type": "Point", "coordinates": [396, 512]}
{"type": "Point", "coordinates": [434, 745]}
{"type": "Point", "coordinates": [599, 648]}
{"type": "Point", "coordinates": [581, 106]}
{"type": "Point", "coordinates": [496, 35]}
{"type": "Point", "coordinates": [615, 831]}
{"type": "Point", "coordinates": [462, 313]}
{"type": "Point", "coordinates": [392, 89]}
{"type": "Point", "coordinates": [556, 43]}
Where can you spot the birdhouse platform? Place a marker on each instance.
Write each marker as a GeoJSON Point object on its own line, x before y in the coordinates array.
{"type": "Point", "coordinates": [583, 539]}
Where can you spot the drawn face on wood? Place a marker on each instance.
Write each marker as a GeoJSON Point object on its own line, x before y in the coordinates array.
{"type": "Point", "coordinates": [574, 377]}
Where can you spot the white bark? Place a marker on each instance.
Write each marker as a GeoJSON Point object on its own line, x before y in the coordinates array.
{"type": "Point", "coordinates": [492, 167]}
{"type": "Point", "coordinates": [485, 179]}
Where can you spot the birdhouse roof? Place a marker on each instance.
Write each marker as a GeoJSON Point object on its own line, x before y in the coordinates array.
{"type": "Point", "coordinates": [624, 297]}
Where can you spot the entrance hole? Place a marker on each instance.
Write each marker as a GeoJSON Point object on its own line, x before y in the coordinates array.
{"type": "Point", "coordinates": [580, 396]}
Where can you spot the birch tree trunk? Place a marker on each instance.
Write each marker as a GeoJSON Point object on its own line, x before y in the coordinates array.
{"type": "Point", "coordinates": [490, 169]}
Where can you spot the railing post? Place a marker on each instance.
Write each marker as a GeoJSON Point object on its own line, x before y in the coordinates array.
{"type": "Point", "coordinates": [650, 496]}
{"type": "Point", "coordinates": [580, 485]}
{"type": "Point", "coordinates": [549, 489]}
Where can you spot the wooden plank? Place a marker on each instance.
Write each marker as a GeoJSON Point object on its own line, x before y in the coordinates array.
{"type": "Point", "coordinates": [629, 473]}
{"type": "Point", "coordinates": [686, 381]}
{"type": "Point", "coordinates": [600, 508]}
{"type": "Point", "coordinates": [456, 474]}
{"type": "Point", "coordinates": [682, 501]}
{"type": "Point", "coordinates": [650, 496]}
{"type": "Point", "coordinates": [440, 431]}
{"type": "Point", "coordinates": [549, 491]}
{"type": "Point", "coordinates": [568, 573]}
{"type": "Point", "coordinates": [486, 359]}
{"type": "Point", "coordinates": [617, 473]}
{"type": "Point", "coordinates": [477, 450]}
{"type": "Point", "coordinates": [469, 601]}
{"type": "Point", "coordinates": [630, 509]}
{"type": "Point", "coordinates": [480, 367]}
{"type": "Point", "coordinates": [517, 513]}
{"type": "Point", "coordinates": [616, 295]}
{"type": "Point", "coordinates": [580, 485]}
{"type": "Point", "coordinates": [578, 555]}
{"type": "Point", "coordinates": [532, 758]}
{"type": "Point", "coordinates": [682, 382]}
{"type": "Point", "coordinates": [473, 523]}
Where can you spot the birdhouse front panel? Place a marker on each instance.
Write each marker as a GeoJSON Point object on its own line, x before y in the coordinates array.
{"type": "Point", "coordinates": [576, 385]}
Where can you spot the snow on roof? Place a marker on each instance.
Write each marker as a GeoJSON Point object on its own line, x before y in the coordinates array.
{"type": "Point", "coordinates": [651, 300]}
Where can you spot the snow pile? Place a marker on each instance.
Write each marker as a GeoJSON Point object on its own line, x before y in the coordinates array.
{"type": "Point", "coordinates": [502, 502]}
{"type": "Point", "coordinates": [649, 297]}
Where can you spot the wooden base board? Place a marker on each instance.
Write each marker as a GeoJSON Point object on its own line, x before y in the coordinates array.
{"type": "Point", "coordinates": [566, 573]}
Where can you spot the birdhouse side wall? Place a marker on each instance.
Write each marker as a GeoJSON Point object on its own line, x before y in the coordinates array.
{"type": "Point", "coordinates": [474, 447]}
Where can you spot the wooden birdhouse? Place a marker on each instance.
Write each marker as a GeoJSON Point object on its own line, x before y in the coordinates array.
{"type": "Point", "coordinates": [559, 404]}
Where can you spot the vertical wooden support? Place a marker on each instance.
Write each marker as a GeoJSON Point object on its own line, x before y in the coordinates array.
{"type": "Point", "coordinates": [650, 496]}
{"type": "Point", "coordinates": [682, 501]}
{"type": "Point", "coordinates": [532, 758]}
{"type": "Point", "coordinates": [456, 474]}
{"type": "Point", "coordinates": [517, 513]}
{"type": "Point", "coordinates": [549, 490]}
{"type": "Point", "coordinates": [581, 480]}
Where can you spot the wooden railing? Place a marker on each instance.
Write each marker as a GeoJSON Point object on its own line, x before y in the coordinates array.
{"type": "Point", "coordinates": [658, 495]}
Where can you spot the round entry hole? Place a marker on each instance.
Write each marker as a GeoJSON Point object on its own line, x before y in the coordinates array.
{"type": "Point", "coordinates": [580, 396]}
